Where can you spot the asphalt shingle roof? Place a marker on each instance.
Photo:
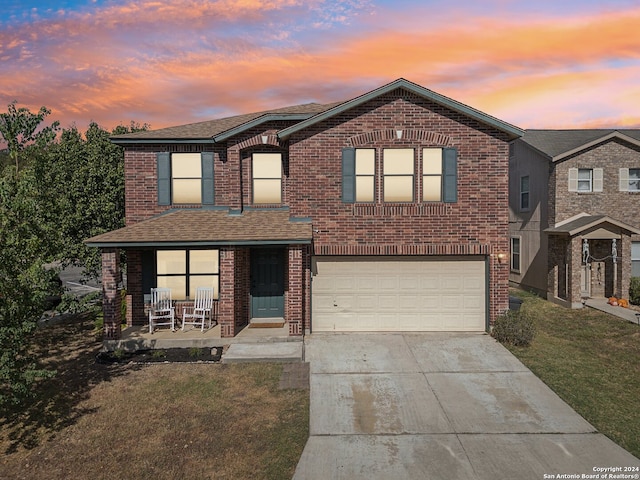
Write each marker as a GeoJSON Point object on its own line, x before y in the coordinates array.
{"type": "Point", "coordinates": [557, 142]}
{"type": "Point", "coordinates": [200, 226]}
{"type": "Point", "coordinates": [211, 128]}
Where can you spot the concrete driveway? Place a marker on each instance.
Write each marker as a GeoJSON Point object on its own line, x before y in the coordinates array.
{"type": "Point", "coordinates": [440, 406]}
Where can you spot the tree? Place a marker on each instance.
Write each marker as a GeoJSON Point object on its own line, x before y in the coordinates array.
{"type": "Point", "coordinates": [20, 129]}
{"type": "Point", "coordinates": [81, 181]}
{"type": "Point", "coordinates": [24, 284]}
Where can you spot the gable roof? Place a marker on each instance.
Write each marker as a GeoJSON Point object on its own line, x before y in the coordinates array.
{"type": "Point", "coordinates": [559, 144]}
{"type": "Point", "coordinates": [303, 115]}
{"type": "Point", "coordinates": [193, 227]}
{"type": "Point", "coordinates": [511, 130]}
{"type": "Point", "coordinates": [212, 130]}
{"type": "Point", "coordinates": [583, 222]}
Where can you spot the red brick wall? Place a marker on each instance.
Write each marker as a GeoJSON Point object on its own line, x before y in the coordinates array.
{"type": "Point", "coordinates": [477, 224]}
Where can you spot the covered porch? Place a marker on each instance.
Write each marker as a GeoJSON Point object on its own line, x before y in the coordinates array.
{"type": "Point", "coordinates": [257, 262]}
{"type": "Point", "coordinates": [589, 257]}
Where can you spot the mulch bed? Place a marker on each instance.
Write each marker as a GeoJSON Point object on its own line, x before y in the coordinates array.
{"type": "Point", "coordinates": [165, 355]}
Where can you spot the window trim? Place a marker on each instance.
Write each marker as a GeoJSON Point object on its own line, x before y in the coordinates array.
{"type": "Point", "coordinates": [515, 255]}
{"type": "Point", "coordinates": [525, 194]}
{"type": "Point", "coordinates": [439, 176]}
{"type": "Point", "coordinates": [372, 176]}
{"type": "Point", "coordinates": [635, 180]}
{"type": "Point", "coordinates": [399, 175]}
{"type": "Point", "coordinates": [174, 157]}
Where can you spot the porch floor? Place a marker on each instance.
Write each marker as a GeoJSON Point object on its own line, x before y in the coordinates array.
{"type": "Point", "coordinates": [602, 304]}
{"type": "Point", "coordinates": [138, 338]}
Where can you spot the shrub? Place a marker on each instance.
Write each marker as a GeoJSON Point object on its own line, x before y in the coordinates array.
{"type": "Point", "coordinates": [514, 328]}
{"type": "Point", "coordinates": [634, 291]}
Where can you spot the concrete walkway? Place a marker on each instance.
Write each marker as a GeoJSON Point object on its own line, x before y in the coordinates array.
{"type": "Point", "coordinates": [602, 304]}
{"type": "Point", "coordinates": [439, 406]}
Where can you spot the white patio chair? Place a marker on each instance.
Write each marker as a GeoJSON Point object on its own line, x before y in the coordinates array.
{"type": "Point", "coordinates": [201, 309]}
{"type": "Point", "coordinates": [161, 311]}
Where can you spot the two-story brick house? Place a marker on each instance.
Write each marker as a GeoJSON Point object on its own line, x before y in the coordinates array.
{"type": "Point", "coordinates": [575, 213]}
{"type": "Point", "coordinates": [386, 212]}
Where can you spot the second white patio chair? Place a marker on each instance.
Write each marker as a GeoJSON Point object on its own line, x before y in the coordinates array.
{"type": "Point", "coordinates": [161, 310]}
{"type": "Point", "coordinates": [201, 309]}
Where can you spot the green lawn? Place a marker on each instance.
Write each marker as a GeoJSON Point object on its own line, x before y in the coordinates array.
{"type": "Point", "coordinates": [591, 360]}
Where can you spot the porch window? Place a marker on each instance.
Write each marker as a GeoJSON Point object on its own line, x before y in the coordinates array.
{"type": "Point", "coordinates": [365, 171]}
{"type": "Point", "coordinates": [515, 254]}
{"type": "Point", "coordinates": [635, 259]}
{"type": "Point", "coordinates": [184, 270]}
{"type": "Point", "coordinates": [267, 178]}
{"type": "Point", "coordinates": [431, 174]}
{"type": "Point", "coordinates": [398, 174]}
{"type": "Point", "coordinates": [524, 193]}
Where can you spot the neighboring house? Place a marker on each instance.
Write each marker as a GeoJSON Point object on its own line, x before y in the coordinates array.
{"type": "Point", "coordinates": [386, 212]}
{"type": "Point", "coordinates": [575, 213]}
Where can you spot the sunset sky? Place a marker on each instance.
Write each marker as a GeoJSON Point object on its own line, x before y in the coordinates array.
{"type": "Point", "coordinates": [535, 64]}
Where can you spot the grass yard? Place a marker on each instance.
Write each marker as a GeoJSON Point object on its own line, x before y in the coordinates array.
{"type": "Point", "coordinates": [591, 360]}
{"type": "Point", "coordinates": [160, 421]}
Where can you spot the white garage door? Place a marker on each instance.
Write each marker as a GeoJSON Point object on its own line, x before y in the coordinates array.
{"type": "Point", "coordinates": [372, 294]}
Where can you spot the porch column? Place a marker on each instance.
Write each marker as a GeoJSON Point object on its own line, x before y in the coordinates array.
{"type": "Point", "coordinates": [226, 307]}
{"type": "Point", "coordinates": [575, 269]}
{"type": "Point", "coordinates": [623, 265]}
{"type": "Point", "coordinates": [111, 301]}
{"type": "Point", "coordinates": [135, 296]}
{"type": "Point", "coordinates": [295, 279]}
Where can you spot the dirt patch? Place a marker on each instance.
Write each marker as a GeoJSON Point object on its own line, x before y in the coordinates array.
{"type": "Point", "coordinates": [166, 355]}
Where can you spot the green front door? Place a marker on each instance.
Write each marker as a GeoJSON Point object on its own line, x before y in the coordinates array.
{"type": "Point", "coordinates": [267, 282]}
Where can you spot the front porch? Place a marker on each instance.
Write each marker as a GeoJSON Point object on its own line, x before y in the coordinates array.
{"type": "Point", "coordinates": [137, 337]}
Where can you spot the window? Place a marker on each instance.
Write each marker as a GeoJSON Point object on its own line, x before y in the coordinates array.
{"type": "Point", "coordinates": [184, 270]}
{"type": "Point", "coordinates": [630, 179]}
{"type": "Point", "coordinates": [267, 178]}
{"type": "Point", "coordinates": [515, 254]}
{"type": "Point", "coordinates": [185, 178]}
{"type": "Point", "coordinates": [398, 174]}
{"type": "Point", "coordinates": [360, 183]}
{"type": "Point", "coordinates": [635, 259]}
{"type": "Point", "coordinates": [365, 174]}
{"type": "Point", "coordinates": [524, 193]}
{"type": "Point", "coordinates": [431, 174]}
{"type": "Point", "coordinates": [584, 180]}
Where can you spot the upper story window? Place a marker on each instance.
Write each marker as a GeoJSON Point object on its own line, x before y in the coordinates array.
{"type": "Point", "coordinates": [398, 167]}
{"type": "Point", "coordinates": [360, 182]}
{"type": "Point", "coordinates": [630, 179]}
{"type": "Point", "coordinates": [266, 171]}
{"type": "Point", "coordinates": [431, 174]}
{"type": "Point", "coordinates": [365, 172]}
{"type": "Point", "coordinates": [524, 193]}
{"type": "Point", "coordinates": [184, 270]}
{"type": "Point", "coordinates": [584, 180]}
{"type": "Point", "coordinates": [185, 178]}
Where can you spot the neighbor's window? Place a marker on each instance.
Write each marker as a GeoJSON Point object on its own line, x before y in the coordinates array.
{"type": "Point", "coordinates": [524, 193]}
{"type": "Point", "coordinates": [267, 177]}
{"type": "Point", "coordinates": [634, 179]}
{"type": "Point", "coordinates": [515, 254]}
{"type": "Point", "coordinates": [186, 178]}
{"type": "Point", "coordinates": [398, 171]}
{"type": "Point", "coordinates": [585, 180]}
{"type": "Point", "coordinates": [184, 270]}
{"type": "Point", "coordinates": [635, 259]}
{"type": "Point", "coordinates": [431, 174]}
{"type": "Point", "coordinates": [365, 174]}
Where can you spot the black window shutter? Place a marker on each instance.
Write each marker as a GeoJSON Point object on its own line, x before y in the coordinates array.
{"type": "Point", "coordinates": [348, 175]}
{"type": "Point", "coordinates": [164, 178]}
{"type": "Point", "coordinates": [148, 270]}
{"type": "Point", "coordinates": [450, 175]}
{"type": "Point", "coordinates": [207, 179]}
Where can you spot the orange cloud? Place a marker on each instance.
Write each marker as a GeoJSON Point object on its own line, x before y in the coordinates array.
{"type": "Point", "coordinates": [169, 63]}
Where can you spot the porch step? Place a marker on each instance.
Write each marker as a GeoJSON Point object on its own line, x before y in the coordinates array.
{"type": "Point", "coordinates": [263, 352]}
{"type": "Point", "coordinates": [266, 322]}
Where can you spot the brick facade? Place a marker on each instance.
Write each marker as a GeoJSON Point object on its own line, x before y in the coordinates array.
{"type": "Point", "coordinates": [477, 224]}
